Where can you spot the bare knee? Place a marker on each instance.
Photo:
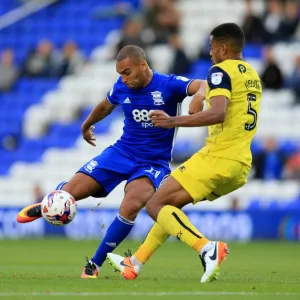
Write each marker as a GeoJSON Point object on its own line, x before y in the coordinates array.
{"type": "Point", "coordinates": [153, 208]}
{"type": "Point", "coordinates": [129, 210]}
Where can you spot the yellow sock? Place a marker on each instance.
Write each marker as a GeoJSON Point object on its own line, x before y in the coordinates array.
{"type": "Point", "coordinates": [156, 237]}
{"type": "Point", "coordinates": [176, 223]}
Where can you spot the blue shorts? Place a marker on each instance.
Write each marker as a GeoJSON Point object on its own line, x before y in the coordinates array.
{"type": "Point", "coordinates": [113, 166]}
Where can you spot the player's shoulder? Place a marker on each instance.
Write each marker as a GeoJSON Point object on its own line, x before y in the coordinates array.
{"type": "Point", "coordinates": [234, 66]}
{"type": "Point", "coordinates": [226, 66]}
{"type": "Point", "coordinates": [171, 77]}
{"type": "Point", "coordinates": [119, 85]}
{"type": "Point", "coordinates": [218, 76]}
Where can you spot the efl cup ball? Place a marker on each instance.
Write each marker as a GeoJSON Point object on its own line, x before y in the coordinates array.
{"type": "Point", "coordinates": [59, 208]}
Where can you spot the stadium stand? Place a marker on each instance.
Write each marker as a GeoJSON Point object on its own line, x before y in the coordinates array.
{"type": "Point", "coordinates": [44, 115]}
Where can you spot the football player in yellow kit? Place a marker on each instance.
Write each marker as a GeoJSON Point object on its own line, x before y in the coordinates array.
{"type": "Point", "coordinates": [233, 98]}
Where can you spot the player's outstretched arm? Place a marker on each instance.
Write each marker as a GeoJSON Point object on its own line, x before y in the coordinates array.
{"type": "Point", "coordinates": [214, 115]}
{"type": "Point", "coordinates": [99, 112]}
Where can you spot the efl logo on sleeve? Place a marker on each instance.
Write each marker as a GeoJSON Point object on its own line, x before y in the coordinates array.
{"type": "Point", "coordinates": [216, 78]}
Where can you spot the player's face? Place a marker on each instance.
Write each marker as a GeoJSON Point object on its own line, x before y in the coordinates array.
{"type": "Point", "coordinates": [216, 51]}
{"type": "Point", "coordinates": [132, 72]}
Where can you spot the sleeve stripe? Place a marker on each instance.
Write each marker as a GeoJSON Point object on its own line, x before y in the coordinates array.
{"type": "Point", "coordinates": [110, 102]}
{"type": "Point", "coordinates": [187, 87]}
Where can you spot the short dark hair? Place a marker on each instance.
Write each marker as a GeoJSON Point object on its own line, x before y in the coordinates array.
{"type": "Point", "coordinates": [230, 32]}
{"type": "Point", "coordinates": [131, 51]}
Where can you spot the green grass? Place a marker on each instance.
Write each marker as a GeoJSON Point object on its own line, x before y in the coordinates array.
{"type": "Point", "coordinates": [55, 265]}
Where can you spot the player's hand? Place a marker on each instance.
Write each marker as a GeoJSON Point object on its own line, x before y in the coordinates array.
{"type": "Point", "coordinates": [161, 119]}
{"type": "Point", "coordinates": [88, 135]}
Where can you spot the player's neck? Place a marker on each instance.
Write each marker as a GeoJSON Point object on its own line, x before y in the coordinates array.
{"type": "Point", "coordinates": [148, 77]}
{"type": "Point", "coordinates": [236, 57]}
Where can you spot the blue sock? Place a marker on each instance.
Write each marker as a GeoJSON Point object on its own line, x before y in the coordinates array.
{"type": "Point", "coordinates": [116, 233]}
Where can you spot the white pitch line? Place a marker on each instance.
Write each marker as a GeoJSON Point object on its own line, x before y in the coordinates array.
{"type": "Point", "coordinates": [152, 294]}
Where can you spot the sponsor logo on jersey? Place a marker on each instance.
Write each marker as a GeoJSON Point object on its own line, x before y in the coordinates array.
{"type": "Point", "coordinates": [216, 78]}
{"type": "Point", "coordinates": [182, 168]}
{"type": "Point", "coordinates": [242, 68]}
{"type": "Point", "coordinates": [142, 117]}
{"type": "Point", "coordinates": [157, 98]}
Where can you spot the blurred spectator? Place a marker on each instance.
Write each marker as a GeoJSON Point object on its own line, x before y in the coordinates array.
{"type": "Point", "coordinates": [72, 61]}
{"type": "Point", "coordinates": [234, 203]}
{"type": "Point", "coordinates": [38, 194]}
{"type": "Point", "coordinates": [131, 35]}
{"type": "Point", "coordinates": [271, 76]}
{"type": "Point", "coordinates": [289, 24]}
{"type": "Point", "coordinates": [272, 19]}
{"type": "Point", "coordinates": [42, 62]}
{"type": "Point", "coordinates": [162, 18]}
{"type": "Point", "coordinates": [293, 166]}
{"type": "Point", "coordinates": [294, 80]}
{"type": "Point", "coordinates": [181, 64]}
{"type": "Point", "coordinates": [269, 163]}
{"type": "Point", "coordinates": [9, 142]}
{"type": "Point", "coordinates": [253, 26]}
{"type": "Point", "coordinates": [204, 52]}
{"type": "Point", "coordinates": [8, 71]}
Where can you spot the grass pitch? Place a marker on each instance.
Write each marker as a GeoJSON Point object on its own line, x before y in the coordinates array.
{"type": "Point", "coordinates": [51, 268]}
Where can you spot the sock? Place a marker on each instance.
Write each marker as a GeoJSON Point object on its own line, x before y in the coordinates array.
{"type": "Point", "coordinates": [60, 186]}
{"type": "Point", "coordinates": [116, 233]}
{"type": "Point", "coordinates": [207, 247]}
{"type": "Point", "coordinates": [176, 223]}
{"type": "Point", "coordinates": [155, 238]}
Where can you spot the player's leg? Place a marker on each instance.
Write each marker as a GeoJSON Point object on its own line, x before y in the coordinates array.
{"type": "Point", "coordinates": [90, 180]}
{"type": "Point", "coordinates": [133, 202]}
{"type": "Point", "coordinates": [137, 194]}
{"type": "Point", "coordinates": [80, 187]}
{"type": "Point", "coordinates": [118, 167]}
{"type": "Point", "coordinates": [130, 266]}
{"type": "Point", "coordinates": [164, 208]}
{"type": "Point", "coordinates": [190, 183]}
{"type": "Point", "coordinates": [172, 193]}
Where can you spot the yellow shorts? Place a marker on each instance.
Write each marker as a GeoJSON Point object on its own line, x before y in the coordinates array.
{"type": "Point", "coordinates": [209, 177]}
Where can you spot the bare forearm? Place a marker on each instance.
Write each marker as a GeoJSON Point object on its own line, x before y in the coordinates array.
{"type": "Point", "coordinates": [97, 114]}
{"type": "Point", "coordinates": [196, 104]}
{"type": "Point", "coordinates": [204, 118]}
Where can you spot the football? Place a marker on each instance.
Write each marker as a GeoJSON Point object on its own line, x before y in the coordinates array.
{"type": "Point", "coordinates": [59, 208]}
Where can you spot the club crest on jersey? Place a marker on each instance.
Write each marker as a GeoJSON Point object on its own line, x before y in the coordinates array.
{"type": "Point", "coordinates": [216, 78]}
{"type": "Point", "coordinates": [157, 98]}
{"type": "Point", "coordinates": [91, 166]}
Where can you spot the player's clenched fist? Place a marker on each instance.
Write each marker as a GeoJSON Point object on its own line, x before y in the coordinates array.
{"type": "Point", "coordinates": [161, 119]}
{"type": "Point", "coordinates": [88, 135]}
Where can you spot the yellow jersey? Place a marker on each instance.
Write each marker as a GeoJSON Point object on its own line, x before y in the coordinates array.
{"type": "Point", "coordinates": [240, 83]}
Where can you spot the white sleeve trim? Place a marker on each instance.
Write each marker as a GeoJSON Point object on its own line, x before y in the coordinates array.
{"type": "Point", "coordinates": [111, 103]}
{"type": "Point", "coordinates": [187, 87]}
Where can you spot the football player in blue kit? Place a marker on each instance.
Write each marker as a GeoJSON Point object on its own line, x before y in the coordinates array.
{"type": "Point", "coordinates": [142, 154]}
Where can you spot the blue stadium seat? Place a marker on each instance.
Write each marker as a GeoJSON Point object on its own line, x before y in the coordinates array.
{"type": "Point", "coordinates": [255, 204]}
{"type": "Point", "coordinates": [252, 51]}
{"type": "Point", "coordinates": [58, 23]}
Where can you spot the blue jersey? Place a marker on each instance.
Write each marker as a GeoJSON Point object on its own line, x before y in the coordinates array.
{"type": "Point", "coordinates": [140, 137]}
